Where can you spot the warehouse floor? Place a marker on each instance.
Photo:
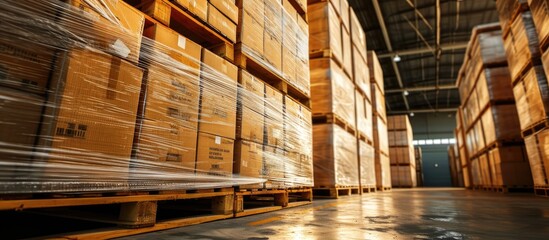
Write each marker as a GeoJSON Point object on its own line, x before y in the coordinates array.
{"type": "Point", "coordinates": [401, 214]}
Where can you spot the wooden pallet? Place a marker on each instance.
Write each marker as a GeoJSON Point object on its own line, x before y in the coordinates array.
{"type": "Point", "coordinates": [335, 192]}
{"type": "Point", "coordinates": [255, 201]}
{"type": "Point", "coordinates": [331, 118]}
{"type": "Point", "coordinates": [269, 75]}
{"type": "Point", "coordinates": [542, 191]}
{"type": "Point", "coordinates": [362, 137]}
{"type": "Point", "coordinates": [384, 189]}
{"type": "Point", "coordinates": [535, 128]}
{"type": "Point", "coordinates": [368, 189]}
{"type": "Point", "coordinates": [522, 7]}
{"type": "Point", "coordinates": [133, 214]}
{"type": "Point", "coordinates": [325, 53]}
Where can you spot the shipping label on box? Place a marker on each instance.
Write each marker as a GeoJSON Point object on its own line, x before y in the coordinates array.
{"type": "Point", "coordinates": [214, 155]}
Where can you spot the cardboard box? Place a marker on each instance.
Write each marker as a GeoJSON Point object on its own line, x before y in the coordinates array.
{"type": "Point", "coordinates": [367, 165]}
{"type": "Point", "coordinates": [249, 125]}
{"type": "Point", "coordinates": [158, 9]}
{"type": "Point", "coordinates": [19, 121]}
{"type": "Point", "coordinates": [219, 93]}
{"type": "Point", "coordinates": [214, 155]}
{"type": "Point", "coordinates": [347, 53]}
{"type": "Point", "coordinates": [220, 22]}
{"type": "Point", "coordinates": [256, 8]}
{"type": "Point", "coordinates": [375, 71]}
{"type": "Point", "coordinates": [289, 10]}
{"type": "Point", "coordinates": [302, 36]}
{"type": "Point", "coordinates": [174, 45]}
{"type": "Point", "coordinates": [251, 92]}
{"type": "Point", "coordinates": [273, 165]}
{"type": "Point", "coordinates": [331, 89]}
{"type": "Point", "coordinates": [122, 40]}
{"type": "Point", "coordinates": [227, 7]}
{"type": "Point", "coordinates": [289, 65]}
{"type": "Point", "coordinates": [168, 143]}
{"type": "Point", "coordinates": [344, 14]}
{"type": "Point", "coordinates": [273, 50]}
{"type": "Point", "coordinates": [274, 117]}
{"type": "Point", "coordinates": [298, 170]}
{"type": "Point", "coordinates": [303, 78]}
{"type": "Point", "coordinates": [325, 29]}
{"type": "Point", "coordinates": [250, 33]}
{"type": "Point", "coordinates": [248, 159]}
{"type": "Point", "coordinates": [197, 7]}
{"type": "Point", "coordinates": [363, 115]}
{"type": "Point", "coordinates": [170, 97]}
{"type": "Point", "coordinates": [357, 34]}
{"type": "Point", "coordinates": [361, 74]}
{"type": "Point", "coordinates": [94, 117]}
{"type": "Point", "coordinates": [25, 65]}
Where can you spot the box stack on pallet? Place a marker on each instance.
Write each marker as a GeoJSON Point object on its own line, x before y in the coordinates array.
{"type": "Point", "coordinates": [401, 151]}
{"type": "Point", "coordinates": [526, 38]}
{"type": "Point", "coordinates": [379, 124]}
{"type": "Point", "coordinates": [343, 155]}
{"type": "Point", "coordinates": [455, 166]}
{"type": "Point", "coordinates": [139, 102]}
{"type": "Point", "coordinates": [496, 151]}
{"type": "Point", "coordinates": [462, 149]}
{"type": "Point", "coordinates": [419, 166]}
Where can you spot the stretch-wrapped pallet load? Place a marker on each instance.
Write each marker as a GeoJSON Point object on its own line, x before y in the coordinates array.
{"type": "Point", "coordinates": [380, 139]}
{"type": "Point", "coordinates": [540, 13]}
{"type": "Point", "coordinates": [537, 147]}
{"type": "Point", "coordinates": [522, 45]}
{"type": "Point", "coordinates": [94, 101]}
{"type": "Point", "coordinates": [325, 29]}
{"type": "Point", "coordinates": [275, 36]}
{"type": "Point", "coordinates": [401, 151]}
{"type": "Point", "coordinates": [490, 115]}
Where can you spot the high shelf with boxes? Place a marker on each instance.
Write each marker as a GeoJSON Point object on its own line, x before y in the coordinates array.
{"type": "Point", "coordinates": [116, 107]}
{"type": "Point", "coordinates": [343, 153]}
{"type": "Point", "coordinates": [495, 149]}
{"type": "Point", "coordinates": [379, 123]}
{"type": "Point", "coordinates": [526, 39]}
{"type": "Point", "coordinates": [401, 151]}
{"type": "Point", "coordinates": [419, 166]}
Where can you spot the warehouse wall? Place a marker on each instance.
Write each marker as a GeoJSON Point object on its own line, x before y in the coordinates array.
{"type": "Point", "coordinates": [436, 170]}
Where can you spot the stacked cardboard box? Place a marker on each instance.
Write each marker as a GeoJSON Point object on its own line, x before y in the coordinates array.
{"type": "Point", "coordinates": [276, 36]}
{"type": "Point", "coordinates": [379, 122]}
{"type": "Point", "coordinates": [419, 166]}
{"type": "Point", "coordinates": [462, 150]}
{"type": "Point", "coordinates": [401, 151]}
{"type": "Point", "coordinates": [525, 41]}
{"type": "Point", "coordinates": [337, 46]}
{"type": "Point", "coordinates": [455, 166]}
{"type": "Point", "coordinates": [491, 121]}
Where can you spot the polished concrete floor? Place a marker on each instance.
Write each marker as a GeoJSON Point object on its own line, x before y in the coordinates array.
{"type": "Point", "coordinates": [400, 214]}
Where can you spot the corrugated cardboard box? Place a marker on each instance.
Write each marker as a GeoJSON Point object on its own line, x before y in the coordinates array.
{"type": "Point", "coordinates": [219, 92]}
{"type": "Point", "coordinates": [357, 34]}
{"type": "Point", "coordinates": [290, 11]}
{"type": "Point", "coordinates": [274, 117]}
{"type": "Point", "coordinates": [273, 166]}
{"type": "Point", "coordinates": [19, 120]}
{"type": "Point", "coordinates": [361, 74]}
{"type": "Point", "coordinates": [157, 9]}
{"type": "Point", "coordinates": [250, 125]}
{"type": "Point", "coordinates": [289, 65]}
{"type": "Point", "coordinates": [298, 170]}
{"type": "Point", "coordinates": [251, 91]}
{"type": "Point", "coordinates": [119, 35]}
{"type": "Point", "coordinates": [363, 115]}
{"type": "Point", "coordinates": [168, 143]}
{"type": "Point", "coordinates": [330, 89]}
{"type": "Point", "coordinates": [214, 155]}
{"type": "Point", "coordinates": [221, 23]}
{"type": "Point", "coordinates": [251, 108]}
{"type": "Point", "coordinates": [174, 45]}
{"type": "Point", "coordinates": [24, 65]}
{"type": "Point", "coordinates": [227, 7]}
{"type": "Point", "coordinates": [197, 7]}
{"type": "Point", "coordinates": [344, 14]}
{"type": "Point", "coordinates": [367, 165]}
{"type": "Point", "coordinates": [248, 159]}
{"type": "Point", "coordinates": [94, 117]}
{"type": "Point", "coordinates": [347, 53]}
{"type": "Point", "coordinates": [375, 70]}
{"type": "Point", "coordinates": [250, 33]}
{"type": "Point", "coordinates": [273, 50]}
{"type": "Point", "coordinates": [324, 29]}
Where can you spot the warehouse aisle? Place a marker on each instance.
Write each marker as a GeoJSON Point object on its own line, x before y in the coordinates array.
{"type": "Point", "coordinates": [400, 214]}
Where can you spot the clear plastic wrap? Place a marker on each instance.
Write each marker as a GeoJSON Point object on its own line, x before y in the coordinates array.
{"type": "Point", "coordinates": [361, 74]}
{"type": "Point", "coordinates": [537, 147]}
{"type": "Point", "coordinates": [347, 50]}
{"type": "Point", "coordinates": [376, 72]}
{"type": "Point", "coordinates": [532, 97]}
{"type": "Point", "coordinates": [367, 165]}
{"type": "Point", "coordinates": [521, 45]}
{"type": "Point", "coordinates": [330, 89]}
{"type": "Point", "coordinates": [383, 169]}
{"type": "Point", "coordinates": [381, 139]}
{"type": "Point", "coordinates": [364, 116]}
{"type": "Point", "coordinates": [335, 157]}
{"type": "Point", "coordinates": [358, 35]}
{"type": "Point", "coordinates": [275, 38]}
{"type": "Point", "coordinates": [87, 104]}
{"type": "Point", "coordinates": [325, 29]}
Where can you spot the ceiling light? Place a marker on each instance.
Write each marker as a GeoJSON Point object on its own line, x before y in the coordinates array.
{"type": "Point", "coordinates": [412, 114]}
{"type": "Point", "coordinates": [396, 58]}
{"type": "Point", "coordinates": [406, 93]}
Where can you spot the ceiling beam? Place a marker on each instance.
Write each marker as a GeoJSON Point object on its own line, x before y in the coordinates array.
{"type": "Point", "coordinates": [426, 110]}
{"type": "Point", "coordinates": [443, 47]}
{"type": "Point", "coordinates": [422, 88]}
{"type": "Point", "coordinates": [381, 21]}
